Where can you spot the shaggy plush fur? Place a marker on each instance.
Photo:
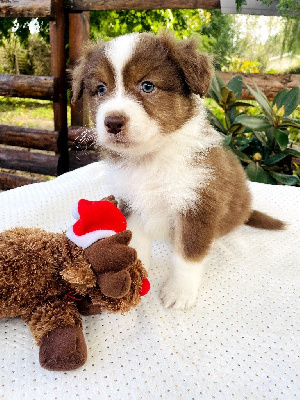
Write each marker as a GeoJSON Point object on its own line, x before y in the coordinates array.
{"type": "Point", "coordinates": [39, 270]}
{"type": "Point", "coordinates": [165, 161]}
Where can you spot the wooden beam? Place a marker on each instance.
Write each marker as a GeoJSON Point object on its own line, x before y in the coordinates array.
{"type": "Point", "coordinates": [11, 181]}
{"type": "Point", "coordinates": [270, 84]}
{"type": "Point", "coordinates": [34, 87]}
{"type": "Point", "coordinates": [79, 33]}
{"type": "Point", "coordinates": [89, 5]}
{"type": "Point", "coordinates": [79, 159]}
{"type": "Point", "coordinates": [23, 160]}
{"type": "Point", "coordinates": [28, 137]}
{"type": "Point", "coordinates": [58, 65]}
{"type": "Point", "coordinates": [81, 138]}
{"type": "Point", "coordinates": [25, 8]}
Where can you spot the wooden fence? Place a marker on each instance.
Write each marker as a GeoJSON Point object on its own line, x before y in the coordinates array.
{"type": "Point", "coordinates": [66, 148]}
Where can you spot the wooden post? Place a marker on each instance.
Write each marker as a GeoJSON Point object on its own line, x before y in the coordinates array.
{"type": "Point", "coordinates": [58, 65]}
{"type": "Point", "coordinates": [79, 33]}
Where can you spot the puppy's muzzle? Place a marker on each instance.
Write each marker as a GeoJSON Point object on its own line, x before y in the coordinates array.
{"type": "Point", "coordinates": [115, 123]}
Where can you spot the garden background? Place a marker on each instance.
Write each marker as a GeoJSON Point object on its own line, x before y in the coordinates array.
{"type": "Point", "coordinates": [265, 136]}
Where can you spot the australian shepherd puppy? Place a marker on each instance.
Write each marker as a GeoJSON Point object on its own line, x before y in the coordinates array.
{"type": "Point", "coordinates": [165, 161]}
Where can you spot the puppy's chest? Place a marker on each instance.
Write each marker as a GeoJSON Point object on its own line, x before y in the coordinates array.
{"type": "Point", "coordinates": [157, 195]}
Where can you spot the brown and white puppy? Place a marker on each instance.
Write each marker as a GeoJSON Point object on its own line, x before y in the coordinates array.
{"type": "Point", "coordinates": [165, 160]}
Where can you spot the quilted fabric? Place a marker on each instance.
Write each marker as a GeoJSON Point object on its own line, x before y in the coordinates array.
{"type": "Point", "coordinates": [238, 342]}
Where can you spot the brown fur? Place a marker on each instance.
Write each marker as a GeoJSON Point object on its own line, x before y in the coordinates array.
{"type": "Point", "coordinates": [152, 61]}
{"type": "Point", "coordinates": [37, 271]}
{"type": "Point", "coordinates": [260, 220]}
{"type": "Point", "coordinates": [220, 209]}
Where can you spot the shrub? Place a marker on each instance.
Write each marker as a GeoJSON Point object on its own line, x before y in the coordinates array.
{"type": "Point", "coordinates": [261, 142]}
{"type": "Point", "coordinates": [236, 64]}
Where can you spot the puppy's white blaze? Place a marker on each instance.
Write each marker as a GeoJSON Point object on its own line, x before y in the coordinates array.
{"type": "Point", "coordinates": [119, 51]}
{"type": "Point", "coordinates": [143, 131]}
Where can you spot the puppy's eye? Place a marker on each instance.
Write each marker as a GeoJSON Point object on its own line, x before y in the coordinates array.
{"type": "Point", "coordinates": [102, 89]}
{"type": "Point", "coordinates": [147, 87]}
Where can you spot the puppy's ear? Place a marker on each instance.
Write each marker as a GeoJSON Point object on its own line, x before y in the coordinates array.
{"type": "Point", "coordinates": [196, 67]}
{"type": "Point", "coordinates": [79, 71]}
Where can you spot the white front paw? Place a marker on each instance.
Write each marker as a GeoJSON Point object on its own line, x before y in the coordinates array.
{"type": "Point", "coordinates": [178, 294]}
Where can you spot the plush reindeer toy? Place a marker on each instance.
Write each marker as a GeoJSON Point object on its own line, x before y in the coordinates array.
{"type": "Point", "coordinates": [48, 278]}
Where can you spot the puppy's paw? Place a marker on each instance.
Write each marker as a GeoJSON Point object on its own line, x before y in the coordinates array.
{"type": "Point", "coordinates": [177, 295]}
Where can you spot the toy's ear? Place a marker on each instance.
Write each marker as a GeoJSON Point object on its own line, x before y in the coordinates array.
{"type": "Point", "coordinates": [196, 67]}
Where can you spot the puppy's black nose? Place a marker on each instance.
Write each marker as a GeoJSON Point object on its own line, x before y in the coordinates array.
{"type": "Point", "coordinates": [114, 123]}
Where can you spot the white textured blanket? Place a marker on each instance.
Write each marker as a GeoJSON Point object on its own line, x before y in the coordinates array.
{"type": "Point", "coordinates": [238, 342]}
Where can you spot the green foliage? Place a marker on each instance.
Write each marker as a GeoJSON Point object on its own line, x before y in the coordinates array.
{"type": "Point", "coordinates": [15, 60]}
{"type": "Point", "coordinates": [39, 56]}
{"type": "Point", "coordinates": [261, 142]}
{"type": "Point", "coordinates": [236, 64]}
{"type": "Point", "coordinates": [20, 26]}
{"type": "Point", "coordinates": [286, 8]}
{"type": "Point", "coordinates": [220, 32]}
{"type": "Point", "coordinates": [109, 24]}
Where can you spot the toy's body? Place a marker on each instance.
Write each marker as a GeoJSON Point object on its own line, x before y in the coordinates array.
{"type": "Point", "coordinates": [41, 272]}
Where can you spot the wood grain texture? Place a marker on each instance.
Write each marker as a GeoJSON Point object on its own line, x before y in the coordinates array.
{"type": "Point", "coordinates": [25, 8]}
{"type": "Point", "coordinates": [270, 84]}
{"type": "Point", "coordinates": [28, 137]}
{"type": "Point", "coordinates": [58, 66]}
{"type": "Point", "coordinates": [34, 87]}
{"type": "Point", "coordinates": [11, 181]}
{"type": "Point", "coordinates": [24, 160]}
{"type": "Point", "coordinates": [89, 5]}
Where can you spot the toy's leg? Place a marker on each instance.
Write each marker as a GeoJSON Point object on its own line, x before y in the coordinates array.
{"type": "Point", "coordinates": [56, 327]}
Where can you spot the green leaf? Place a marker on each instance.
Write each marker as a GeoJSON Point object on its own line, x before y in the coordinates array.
{"type": "Point", "coordinates": [279, 97]}
{"type": "Point", "coordinates": [236, 85]}
{"type": "Point", "coordinates": [216, 85]}
{"type": "Point", "coordinates": [242, 142]}
{"type": "Point", "coordinates": [227, 140]}
{"type": "Point", "coordinates": [253, 122]}
{"type": "Point", "coordinates": [282, 138]}
{"type": "Point", "coordinates": [290, 122]}
{"type": "Point", "coordinates": [292, 152]}
{"type": "Point", "coordinates": [237, 128]}
{"type": "Point", "coordinates": [219, 81]}
{"type": "Point", "coordinates": [261, 137]}
{"type": "Point", "coordinates": [211, 93]}
{"type": "Point", "coordinates": [291, 100]}
{"type": "Point", "coordinates": [242, 156]}
{"type": "Point", "coordinates": [275, 159]}
{"type": "Point", "coordinates": [240, 104]}
{"type": "Point", "coordinates": [239, 4]}
{"type": "Point", "coordinates": [214, 120]}
{"type": "Point", "coordinates": [260, 97]}
{"type": "Point", "coordinates": [285, 179]}
{"type": "Point", "coordinates": [225, 94]}
{"type": "Point", "coordinates": [257, 174]}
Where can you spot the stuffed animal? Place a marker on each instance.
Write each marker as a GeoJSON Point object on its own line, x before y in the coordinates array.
{"type": "Point", "coordinates": [47, 278]}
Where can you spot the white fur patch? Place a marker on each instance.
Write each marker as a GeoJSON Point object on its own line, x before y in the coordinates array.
{"type": "Point", "coordinates": [164, 183]}
{"type": "Point", "coordinates": [180, 291]}
{"type": "Point", "coordinates": [119, 51]}
{"type": "Point", "coordinates": [143, 131]}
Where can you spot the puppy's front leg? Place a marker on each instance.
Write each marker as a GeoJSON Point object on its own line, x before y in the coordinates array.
{"type": "Point", "coordinates": [194, 233]}
{"type": "Point", "coordinates": [140, 241]}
